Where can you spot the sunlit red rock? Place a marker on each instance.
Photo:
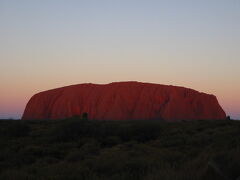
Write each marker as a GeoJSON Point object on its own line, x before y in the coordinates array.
{"type": "Point", "coordinates": [124, 101]}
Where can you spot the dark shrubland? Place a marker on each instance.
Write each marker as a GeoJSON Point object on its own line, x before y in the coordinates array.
{"type": "Point", "coordinates": [77, 148]}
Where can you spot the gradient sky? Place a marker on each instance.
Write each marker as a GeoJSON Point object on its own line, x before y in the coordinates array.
{"type": "Point", "coordinates": [47, 44]}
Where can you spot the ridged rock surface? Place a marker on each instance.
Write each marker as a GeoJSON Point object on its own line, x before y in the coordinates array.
{"type": "Point", "coordinates": [124, 101]}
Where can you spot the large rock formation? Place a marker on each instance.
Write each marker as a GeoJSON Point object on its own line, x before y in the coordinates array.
{"type": "Point", "coordinates": [124, 101]}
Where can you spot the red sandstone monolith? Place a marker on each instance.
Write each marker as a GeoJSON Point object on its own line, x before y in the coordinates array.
{"type": "Point", "coordinates": [124, 101]}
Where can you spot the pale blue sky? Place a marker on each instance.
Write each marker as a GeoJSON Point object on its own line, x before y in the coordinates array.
{"type": "Point", "coordinates": [50, 43]}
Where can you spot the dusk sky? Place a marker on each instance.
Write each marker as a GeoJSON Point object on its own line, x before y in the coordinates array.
{"type": "Point", "coordinates": [47, 44]}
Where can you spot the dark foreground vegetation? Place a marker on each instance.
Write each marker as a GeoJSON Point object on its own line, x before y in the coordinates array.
{"type": "Point", "coordinates": [113, 150]}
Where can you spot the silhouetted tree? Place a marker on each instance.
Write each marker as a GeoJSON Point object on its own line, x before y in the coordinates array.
{"type": "Point", "coordinates": [85, 116]}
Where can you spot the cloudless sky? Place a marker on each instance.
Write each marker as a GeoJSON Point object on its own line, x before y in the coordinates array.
{"type": "Point", "coordinates": [47, 44]}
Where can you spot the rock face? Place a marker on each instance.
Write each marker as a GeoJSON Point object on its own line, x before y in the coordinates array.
{"type": "Point", "coordinates": [124, 101]}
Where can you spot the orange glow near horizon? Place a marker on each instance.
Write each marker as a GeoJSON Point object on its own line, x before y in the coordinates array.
{"type": "Point", "coordinates": [13, 102]}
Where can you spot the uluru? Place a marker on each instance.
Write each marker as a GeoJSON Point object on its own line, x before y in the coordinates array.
{"type": "Point", "coordinates": [124, 101]}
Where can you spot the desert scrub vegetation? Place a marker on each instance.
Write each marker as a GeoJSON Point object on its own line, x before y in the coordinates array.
{"type": "Point", "coordinates": [119, 150]}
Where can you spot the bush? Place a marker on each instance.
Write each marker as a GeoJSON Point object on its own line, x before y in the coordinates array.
{"type": "Point", "coordinates": [16, 129]}
{"type": "Point", "coordinates": [117, 150]}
